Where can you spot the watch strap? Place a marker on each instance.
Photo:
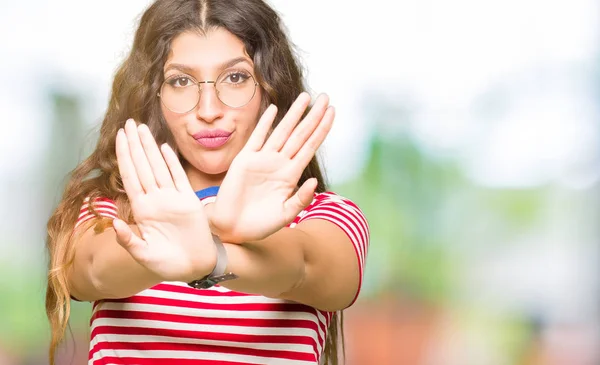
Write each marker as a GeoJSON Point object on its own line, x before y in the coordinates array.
{"type": "Point", "coordinates": [218, 273]}
{"type": "Point", "coordinates": [221, 264]}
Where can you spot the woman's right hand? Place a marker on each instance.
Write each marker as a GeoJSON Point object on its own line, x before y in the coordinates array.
{"type": "Point", "coordinates": [176, 242]}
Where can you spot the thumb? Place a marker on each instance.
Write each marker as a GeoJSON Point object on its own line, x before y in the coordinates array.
{"type": "Point", "coordinates": [130, 241]}
{"type": "Point", "coordinates": [303, 197]}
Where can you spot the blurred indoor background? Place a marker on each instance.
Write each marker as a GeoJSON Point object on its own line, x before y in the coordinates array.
{"type": "Point", "coordinates": [467, 131]}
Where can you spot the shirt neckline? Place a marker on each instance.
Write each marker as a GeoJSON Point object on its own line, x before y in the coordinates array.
{"type": "Point", "coordinates": [208, 192]}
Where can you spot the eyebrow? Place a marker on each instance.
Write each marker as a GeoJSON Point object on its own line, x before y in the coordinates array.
{"type": "Point", "coordinates": [188, 69]}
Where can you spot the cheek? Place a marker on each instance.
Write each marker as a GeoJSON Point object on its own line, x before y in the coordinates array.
{"type": "Point", "coordinates": [253, 114]}
{"type": "Point", "coordinates": [248, 124]}
{"type": "Point", "coordinates": [169, 117]}
{"type": "Point", "coordinates": [175, 122]}
{"type": "Point", "coordinates": [176, 125]}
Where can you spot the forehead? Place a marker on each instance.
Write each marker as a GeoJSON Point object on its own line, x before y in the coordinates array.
{"type": "Point", "coordinates": [206, 52]}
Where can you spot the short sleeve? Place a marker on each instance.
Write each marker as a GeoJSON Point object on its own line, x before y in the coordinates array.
{"type": "Point", "coordinates": [346, 215]}
{"type": "Point", "coordinates": [105, 208]}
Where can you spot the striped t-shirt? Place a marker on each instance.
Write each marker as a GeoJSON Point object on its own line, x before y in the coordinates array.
{"type": "Point", "coordinates": [172, 323]}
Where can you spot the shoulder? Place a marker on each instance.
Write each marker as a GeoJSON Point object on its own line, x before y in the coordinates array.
{"type": "Point", "coordinates": [330, 197]}
{"type": "Point", "coordinates": [331, 203]}
{"type": "Point", "coordinates": [96, 208]}
{"type": "Point", "coordinates": [339, 210]}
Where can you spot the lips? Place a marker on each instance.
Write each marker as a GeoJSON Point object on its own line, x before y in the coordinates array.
{"type": "Point", "coordinates": [212, 138]}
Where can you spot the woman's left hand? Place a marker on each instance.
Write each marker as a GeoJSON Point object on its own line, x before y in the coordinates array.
{"type": "Point", "coordinates": [259, 194]}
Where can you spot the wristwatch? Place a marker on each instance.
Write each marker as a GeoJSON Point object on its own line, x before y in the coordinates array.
{"type": "Point", "coordinates": [218, 274]}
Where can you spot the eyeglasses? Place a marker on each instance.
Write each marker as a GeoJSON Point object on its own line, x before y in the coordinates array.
{"type": "Point", "coordinates": [181, 93]}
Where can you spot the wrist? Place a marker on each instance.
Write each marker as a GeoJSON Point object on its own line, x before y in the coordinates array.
{"type": "Point", "coordinates": [218, 273]}
{"type": "Point", "coordinates": [204, 262]}
{"type": "Point", "coordinates": [204, 269]}
{"type": "Point", "coordinates": [208, 209]}
{"type": "Point", "coordinates": [215, 230]}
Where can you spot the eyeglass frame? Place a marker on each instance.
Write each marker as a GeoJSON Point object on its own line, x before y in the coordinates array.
{"type": "Point", "coordinates": [200, 92]}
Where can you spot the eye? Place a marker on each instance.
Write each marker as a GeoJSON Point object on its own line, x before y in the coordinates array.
{"type": "Point", "coordinates": [180, 81]}
{"type": "Point", "coordinates": [236, 77]}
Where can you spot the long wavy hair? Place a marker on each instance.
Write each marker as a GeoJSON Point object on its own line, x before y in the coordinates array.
{"type": "Point", "coordinates": [134, 95]}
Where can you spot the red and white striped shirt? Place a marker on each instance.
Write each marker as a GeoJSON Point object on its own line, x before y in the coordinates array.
{"type": "Point", "coordinates": [172, 323]}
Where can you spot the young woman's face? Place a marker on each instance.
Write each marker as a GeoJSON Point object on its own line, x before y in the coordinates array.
{"type": "Point", "coordinates": [211, 132]}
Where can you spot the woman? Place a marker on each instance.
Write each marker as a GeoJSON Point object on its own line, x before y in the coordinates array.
{"type": "Point", "coordinates": [200, 226]}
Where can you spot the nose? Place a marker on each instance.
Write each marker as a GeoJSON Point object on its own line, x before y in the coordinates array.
{"type": "Point", "coordinates": [209, 107]}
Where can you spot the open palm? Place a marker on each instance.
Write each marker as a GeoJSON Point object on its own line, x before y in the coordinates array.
{"type": "Point", "coordinates": [259, 194]}
{"type": "Point", "coordinates": [175, 242]}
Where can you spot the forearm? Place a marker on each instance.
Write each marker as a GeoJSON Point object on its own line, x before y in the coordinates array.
{"type": "Point", "coordinates": [115, 274]}
{"type": "Point", "coordinates": [104, 270]}
{"type": "Point", "coordinates": [270, 267]}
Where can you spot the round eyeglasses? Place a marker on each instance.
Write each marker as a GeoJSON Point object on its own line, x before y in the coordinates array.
{"type": "Point", "coordinates": [181, 93]}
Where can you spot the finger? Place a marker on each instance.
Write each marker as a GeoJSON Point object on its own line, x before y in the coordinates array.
{"type": "Point", "coordinates": [179, 177]}
{"type": "Point", "coordinates": [287, 124]}
{"type": "Point", "coordinates": [258, 136]}
{"type": "Point", "coordinates": [306, 128]}
{"type": "Point", "coordinates": [136, 247]}
{"type": "Point", "coordinates": [303, 197]}
{"type": "Point", "coordinates": [131, 183]}
{"type": "Point", "coordinates": [310, 147]}
{"type": "Point", "coordinates": [155, 158]}
{"type": "Point", "coordinates": [139, 158]}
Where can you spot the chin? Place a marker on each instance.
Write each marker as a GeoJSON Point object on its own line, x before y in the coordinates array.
{"type": "Point", "coordinates": [214, 171]}
{"type": "Point", "coordinates": [213, 167]}
{"type": "Point", "coordinates": [215, 162]}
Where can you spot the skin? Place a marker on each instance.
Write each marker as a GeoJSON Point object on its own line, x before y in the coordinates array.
{"type": "Point", "coordinates": [257, 169]}
{"type": "Point", "coordinates": [204, 57]}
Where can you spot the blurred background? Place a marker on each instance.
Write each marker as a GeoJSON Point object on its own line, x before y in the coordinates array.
{"type": "Point", "coordinates": [467, 131]}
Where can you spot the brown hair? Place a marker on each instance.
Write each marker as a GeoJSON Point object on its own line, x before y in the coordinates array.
{"type": "Point", "coordinates": [134, 95]}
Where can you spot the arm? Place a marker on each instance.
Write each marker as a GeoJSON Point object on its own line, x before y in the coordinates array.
{"type": "Point", "coordinates": [319, 262]}
{"type": "Point", "coordinates": [314, 263]}
{"type": "Point", "coordinates": [308, 264]}
{"type": "Point", "coordinates": [103, 269]}
{"type": "Point", "coordinates": [290, 264]}
{"type": "Point", "coordinates": [171, 239]}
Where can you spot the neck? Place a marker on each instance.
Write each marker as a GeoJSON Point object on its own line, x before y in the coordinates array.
{"type": "Point", "coordinates": [200, 180]}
